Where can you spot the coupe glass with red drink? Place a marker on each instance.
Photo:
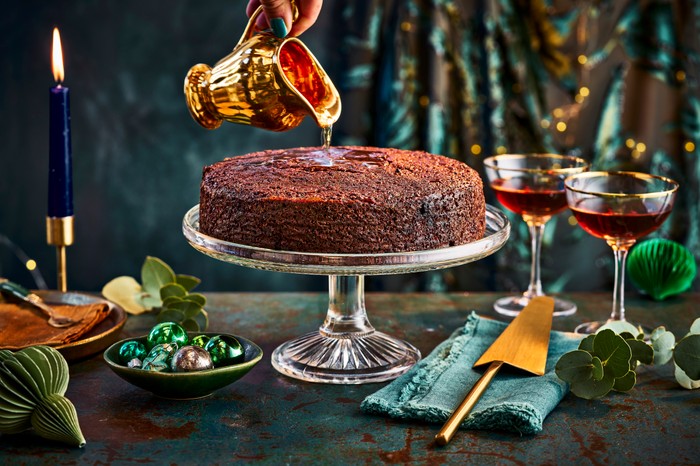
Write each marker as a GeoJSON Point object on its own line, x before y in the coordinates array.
{"type": "Point", "coordinates": [619, 207]}
{"type": "Point", "coordinates": [532, 186]}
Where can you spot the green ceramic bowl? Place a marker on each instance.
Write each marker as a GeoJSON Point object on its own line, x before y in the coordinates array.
{"type": "Point", "coordinates": [184, 385]}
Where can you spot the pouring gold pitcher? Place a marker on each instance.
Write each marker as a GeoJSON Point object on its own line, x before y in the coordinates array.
{"type": "Point", "coordinates": [266, 82]}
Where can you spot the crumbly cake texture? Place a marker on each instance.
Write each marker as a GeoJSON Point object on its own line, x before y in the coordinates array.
{"type": "Point", "coordinates": [351, 200]}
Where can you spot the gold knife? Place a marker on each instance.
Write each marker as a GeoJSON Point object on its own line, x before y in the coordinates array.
{"type": "Point", "coordinates": [523, 344]}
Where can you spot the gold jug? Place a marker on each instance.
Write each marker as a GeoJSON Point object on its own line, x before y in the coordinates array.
{"type": "Point", "coordinates": [266, 82]}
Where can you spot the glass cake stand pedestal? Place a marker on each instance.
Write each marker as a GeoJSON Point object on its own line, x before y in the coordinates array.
{"type": "Point", "coordinates": [346, 349]}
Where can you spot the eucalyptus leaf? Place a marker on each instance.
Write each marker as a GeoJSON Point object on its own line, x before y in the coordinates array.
{"type": "Point", "coordinates": [617, 357]}
{"type": "Point", "coordinates": [587, 343]}
{"type": "Point", "coordinates": [620, 326]}
{"type": "Point", "coordinates": [154, 274]}
{"type": "Point", "coordinates": [683, 379]}
{"type": "Point", "coordinates": [626, 382]}
{"type": "Point", "coordinates": [575, 367]}
{"type": "Point", "coordinates": [657, 332]}
{"type": "Point", "coordinates": [662, 343]}
{"type": "Point", "coordinates": [190, 325]}
{"type": "Point", "coordinates": [188, 308]}
{"type": "Point", "coordinates": [197, 298]}
{"type": "Point", "coordinates": [188, 282]}
{"type": "Point", "coordinates": [686, 355]}
{"type": "Point", "coordinates": [172, 299]}
{"type": "Point", "coordinates": [172, 289]}
{"type": "Point", "coordinates": [598, 371]}
{"type": "Point", "coordinates": [205, 317]}
{"type": "Point", "coordinates": [614, 351]}
{"type": "Point", "coordinates": [695, 327]}
{"type": "Point", "coordinates": [125, 291]}
{"type": "Point", "coordinates": [162, 288]}
{"type": "Point", "coordinates": [171, 315]}
{"type": "Point", "coordinates": [591, 389]}
{"type": "Point", "coordinates": [641, 351]}
{"type": "Point", "coordinates": [148, 301]}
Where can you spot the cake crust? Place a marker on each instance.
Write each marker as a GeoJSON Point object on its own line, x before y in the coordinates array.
{"type": "Point", "coordinates": [351, 200]}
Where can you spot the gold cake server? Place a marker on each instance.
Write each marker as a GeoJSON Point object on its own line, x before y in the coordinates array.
{"type": "Point", "coordinates": [523, 344]}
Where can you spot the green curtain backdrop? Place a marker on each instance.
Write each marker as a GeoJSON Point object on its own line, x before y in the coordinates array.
{"type": "Point", "coordinates": [612, 82]}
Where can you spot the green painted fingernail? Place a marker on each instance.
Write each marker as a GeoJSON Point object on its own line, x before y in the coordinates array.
{"type": "Point", "coordinates": [278, 27]}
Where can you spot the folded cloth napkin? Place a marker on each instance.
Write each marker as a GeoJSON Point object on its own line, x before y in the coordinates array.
{"type": "Point", "coordinates": [23, 325]}
{"type": "Point", "coordinates": [515, 401]}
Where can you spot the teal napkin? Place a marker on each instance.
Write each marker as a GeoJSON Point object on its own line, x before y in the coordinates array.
{"type": "Point", "coordinates": [515, 401]}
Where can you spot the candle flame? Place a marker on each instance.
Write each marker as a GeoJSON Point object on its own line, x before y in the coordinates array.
{"type": "Point", "coordinates": [57, 57]}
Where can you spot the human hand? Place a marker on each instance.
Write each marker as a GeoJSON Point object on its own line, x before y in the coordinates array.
{"type": "Point", "coordinates": [279, 17]}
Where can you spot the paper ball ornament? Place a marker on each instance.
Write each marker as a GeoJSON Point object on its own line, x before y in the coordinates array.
{"type": "Point", "coordinates": [32, 384]}
{"type": "Point", "coordinates": [661, 268]}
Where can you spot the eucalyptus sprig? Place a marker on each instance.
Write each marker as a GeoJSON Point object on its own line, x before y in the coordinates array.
{"type": "Point", "coordinates": [607, 360]}
{"type": "Point", "coordinates": [161, 290]}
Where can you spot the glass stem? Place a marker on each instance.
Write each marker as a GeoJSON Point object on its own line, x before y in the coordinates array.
{"type": "Point", "coordinates": [536, 227]}
{"type": "Point", "coordinates": [618, 305]}
{"type": "Point", "coordinates": [346, 314]}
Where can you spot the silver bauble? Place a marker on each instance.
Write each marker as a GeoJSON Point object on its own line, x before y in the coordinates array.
{"type": "Point", "coordinates": [191, 358]}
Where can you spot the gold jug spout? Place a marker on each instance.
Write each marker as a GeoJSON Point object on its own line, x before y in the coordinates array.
{"type": "Point", "coordinates": [267, 82]}
{"type": "Point", "coordinates": [308, 80]}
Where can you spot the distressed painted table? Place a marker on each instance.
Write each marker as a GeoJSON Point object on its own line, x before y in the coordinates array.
{"type": "Point", "coordinates": [269, 418]}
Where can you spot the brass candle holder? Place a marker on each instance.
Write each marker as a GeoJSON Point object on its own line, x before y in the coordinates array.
{"type": "Point", "coordinates": [59, 233]}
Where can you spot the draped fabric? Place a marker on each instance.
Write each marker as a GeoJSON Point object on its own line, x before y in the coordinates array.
{"type": "Point", "coordinates": [612, 82]}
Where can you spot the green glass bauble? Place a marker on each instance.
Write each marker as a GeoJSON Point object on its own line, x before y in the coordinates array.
{"type": "Point", "coordinates": [225, 350]}
{"type": "Point", "coordinates": [155, 367]}
{"type": "Point", "coordinates": [159, 357]}
{"type": "Point", "coordinates": [167, 332]}
{"type": "Point", "coordinates": [200, 340]}
{"type": "Point", "coordinates": [132, 350]}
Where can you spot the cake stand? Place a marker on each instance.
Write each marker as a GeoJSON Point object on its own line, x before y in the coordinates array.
{"type": "Point", "coordinates": [346, 349]}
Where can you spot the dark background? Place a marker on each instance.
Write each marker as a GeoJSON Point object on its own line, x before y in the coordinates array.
{"type": "Point", "coordinates": [137, 153]}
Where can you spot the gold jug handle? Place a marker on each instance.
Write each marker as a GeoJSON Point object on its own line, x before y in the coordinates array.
{"type": "Point", "coordinates": [250, 28]}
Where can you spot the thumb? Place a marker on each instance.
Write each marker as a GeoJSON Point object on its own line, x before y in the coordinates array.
{"type": "Point", "coordinates": [279, 16]}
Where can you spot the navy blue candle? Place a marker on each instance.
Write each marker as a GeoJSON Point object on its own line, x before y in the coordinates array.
{"type": "Point", "coordinates": [60, 164]}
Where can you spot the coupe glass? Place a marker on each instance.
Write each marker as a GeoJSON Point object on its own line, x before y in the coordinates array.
{"type": "Point", "coordinates": [532, 185]}
{"type": "Point", "coordinates": [619, 207]}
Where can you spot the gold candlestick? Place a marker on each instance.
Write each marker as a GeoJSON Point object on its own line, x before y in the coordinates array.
{"type": "Point", "coordinates": [59, 233]}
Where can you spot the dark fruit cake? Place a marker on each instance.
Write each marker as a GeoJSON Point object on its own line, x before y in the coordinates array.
{"type": "Point", "coordinates": [342, 200]}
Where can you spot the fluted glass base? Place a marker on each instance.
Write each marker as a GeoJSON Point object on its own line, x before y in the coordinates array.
{"type": "Point", "coordinates": [346, 349]}
{"type": "Point", "coordinates": [345, 359]}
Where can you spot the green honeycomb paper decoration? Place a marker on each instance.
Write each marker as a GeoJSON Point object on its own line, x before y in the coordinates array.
{"type": "Point", "coordinates": [32, 384]}
{"type": "Point", "coordinates": [661, 268]}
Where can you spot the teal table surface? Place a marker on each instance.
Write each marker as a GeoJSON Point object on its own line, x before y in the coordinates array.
{"type": "Point", "coordinates": [269, 418]}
